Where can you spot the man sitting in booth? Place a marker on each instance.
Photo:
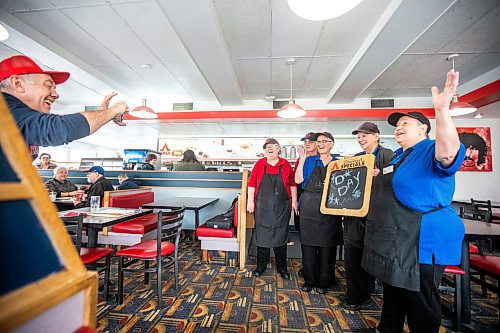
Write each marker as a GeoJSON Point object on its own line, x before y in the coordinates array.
{"type": "Point", "coordinates": [126, 183]}
{"type": "Point", "coordinates": [99, 184]}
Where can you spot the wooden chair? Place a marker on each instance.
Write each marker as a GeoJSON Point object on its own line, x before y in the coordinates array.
{"type": "Point", "coordinates": [164, 247]}
{"type": "Point", "coordinates": [89, 256]}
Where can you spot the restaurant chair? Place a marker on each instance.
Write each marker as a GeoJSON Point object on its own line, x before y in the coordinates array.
{"type": "Point", "coordinates": [485, 205]}
{"type": "Point", "coordinates": [455, 272]}
{"type": "Point", "coordinates": [89, 256]}
{"type": "Point", "coordinates": [164, 248]}
{"type": "Point", "coordinates": [473, 213]}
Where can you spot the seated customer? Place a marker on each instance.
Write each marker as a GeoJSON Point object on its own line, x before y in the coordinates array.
{"type": "Point", "coordinates": [126, 183]}
{"type": "Point", "coordinates": [60, 185]}
{"type": "Point", "coordinates": [98, 185]}
{"type": "Point", "coordinates": [45, 163]}
{"type": "Point", "coordinates": [189, 162]}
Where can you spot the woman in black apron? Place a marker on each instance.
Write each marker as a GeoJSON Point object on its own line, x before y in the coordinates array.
{"type": "Point", "coordinates": [412, 232]}
{"type": "Point", "coordinates": [319, 233]}
{"type": "Point", "coordinates": [360, 284]}
{"type": "Point", "coordinates": [272, 204]}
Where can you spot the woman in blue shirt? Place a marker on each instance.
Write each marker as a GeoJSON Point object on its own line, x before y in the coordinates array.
{"type": "Point", "coordinates": [319, 233]}
{"type": "Point", "coordinates": [412, 232]}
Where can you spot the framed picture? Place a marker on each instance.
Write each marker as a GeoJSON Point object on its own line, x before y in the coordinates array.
{"type": "Point", "coordinates": [477, 142]}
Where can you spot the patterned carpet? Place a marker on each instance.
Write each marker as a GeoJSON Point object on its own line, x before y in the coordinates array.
{"type": "Point", "coordinates": [218, 298]}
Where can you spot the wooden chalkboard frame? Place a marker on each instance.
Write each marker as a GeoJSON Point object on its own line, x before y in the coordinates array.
{"type": "Point", "coordinates": [367, 161]}
{"type": "Point", "coordinates": [26, 303]}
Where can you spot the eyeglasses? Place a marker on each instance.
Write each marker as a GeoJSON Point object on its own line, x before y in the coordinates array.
{"type": "Point", "coordinates": [323, 141]}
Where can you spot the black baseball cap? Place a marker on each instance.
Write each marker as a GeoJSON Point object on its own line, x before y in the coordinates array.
{"type": "Point", "coordinates": [394, 118]}
{"type": "Point", "coordinates": [327, 134]}
{"type": "Point", "coordinates": [308, 136]}
{"type": "Point", "coordinates": [367, 128]}
{"type": "Point", "coordinates": [270, 141]}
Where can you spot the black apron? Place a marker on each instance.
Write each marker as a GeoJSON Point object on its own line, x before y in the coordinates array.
{"type": "Point", "coordinates": [354, 227]}
{"type": "Point", "coordinates": [392, 235]}
{"type": "Point", "coordinates": [316, 228]}
{"type": "Point", "coordinates": [272, 211]}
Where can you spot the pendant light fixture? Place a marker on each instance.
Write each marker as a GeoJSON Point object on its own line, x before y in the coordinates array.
{"type": "Point", "coordinates": [459, 108]}
{"type": "Point", "coordinates": [291, 110]}
{"type": "Point", "coordinates": [143, 111]}
{"type": "Point", "coordinates": [320, 10]}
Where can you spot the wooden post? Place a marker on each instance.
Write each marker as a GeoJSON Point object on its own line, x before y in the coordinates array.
{"type": "Point", "coordinates": [242, 220]}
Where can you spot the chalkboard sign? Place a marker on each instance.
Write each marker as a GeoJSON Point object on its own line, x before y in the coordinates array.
{"type": "Point", "coordinates": [348, 186]}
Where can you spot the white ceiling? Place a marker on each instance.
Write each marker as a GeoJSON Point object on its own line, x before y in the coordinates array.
{"type": "Point", "coordinates": [225, 53]}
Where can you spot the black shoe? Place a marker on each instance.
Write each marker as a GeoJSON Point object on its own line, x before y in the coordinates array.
{"type": "Point", "coordinates": [258, 272]}
{"type": "Point", "coordinates": [354, 307]}
{"type": "Point", "coordinates": [350, 307]}
{"type": "Point", "coordinates": [285, 275]}
{"type": "Point", "coordinates": [307, 288]}
{"type": "Point", "coordinates": [321, 290]}
{"type": "Point", "coordinates": [301, 272]}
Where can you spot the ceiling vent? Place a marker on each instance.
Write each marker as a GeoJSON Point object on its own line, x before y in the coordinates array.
{"type": "Point", "coordinates": [382, 103]}
{"type": "Point", "coordinates": [278, 104]}
{"type": "Point", "coordinates": [182, 107]}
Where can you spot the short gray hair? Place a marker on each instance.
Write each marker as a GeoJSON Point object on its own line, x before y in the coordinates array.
{"type": "Point", "coordinates": [5, 83]}
{"type": "Point", "coordinates": [56, 170]}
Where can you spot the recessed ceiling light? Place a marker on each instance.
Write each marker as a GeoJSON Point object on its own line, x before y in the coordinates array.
{"type": "Point", "coordinates": [146, 66]}
{"type": "Point", "coordinates": [478, 115]}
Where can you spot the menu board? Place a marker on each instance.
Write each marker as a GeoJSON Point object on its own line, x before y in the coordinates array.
{"type": "Point", "coordinates": [348, 186]}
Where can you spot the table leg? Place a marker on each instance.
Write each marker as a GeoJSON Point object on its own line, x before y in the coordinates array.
{"type": "Point", "coordinates": [92, 237]}
{"type": "Point", "coordinates": [196, 222]}
{"type": "Point", "coordinates": [465, 282]}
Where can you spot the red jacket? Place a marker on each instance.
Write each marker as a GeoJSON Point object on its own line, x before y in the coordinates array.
{"type": "Point", "coordinates": [286, 173]}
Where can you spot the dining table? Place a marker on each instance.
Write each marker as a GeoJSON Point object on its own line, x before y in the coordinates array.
{"type": "Point", "coordinates": [102, 218]}
{"type": "Point", "coordinates": [190, 203]}
{"type": "Point", "coordinates": [66, 203]}
{"type": "Point", "coordinates": [474, 230]}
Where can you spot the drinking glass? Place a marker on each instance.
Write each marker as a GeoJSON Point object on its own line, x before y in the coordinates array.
{"type": "Point", "coordinates": [95, 203]}
{"type": "Point", "coordinates": [52, 196]}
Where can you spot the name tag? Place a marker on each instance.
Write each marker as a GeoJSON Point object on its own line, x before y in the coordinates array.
{"type": "Point", "coordinates": [388, 169]}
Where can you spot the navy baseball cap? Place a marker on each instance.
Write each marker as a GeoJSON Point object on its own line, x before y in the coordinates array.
{"type": "Point", "coordinates": [97, 169]}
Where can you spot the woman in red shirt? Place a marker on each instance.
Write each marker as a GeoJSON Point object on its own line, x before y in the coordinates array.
{"type": "Point", "coordinates": [272, 194]}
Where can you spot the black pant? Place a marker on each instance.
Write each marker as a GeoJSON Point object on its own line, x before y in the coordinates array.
{"type": "Point", "coordinates": [319, 265]}
{"type": "Point", "coordinates": [263, 254]}
{"type": "Point", "coordinates": [360, 284]}
{"type": "Point", "coordinates": [422, 308]}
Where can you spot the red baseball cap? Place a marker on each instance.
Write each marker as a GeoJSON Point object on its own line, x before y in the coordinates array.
{"type": "Point", "coordinates": [21, 64]}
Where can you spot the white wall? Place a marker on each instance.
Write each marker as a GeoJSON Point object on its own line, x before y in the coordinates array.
{"type": "Point", "coordinates": [74, 151]}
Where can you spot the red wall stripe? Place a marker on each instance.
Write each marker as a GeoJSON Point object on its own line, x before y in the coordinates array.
{"type": "Point", "coordinates": [271, 114]}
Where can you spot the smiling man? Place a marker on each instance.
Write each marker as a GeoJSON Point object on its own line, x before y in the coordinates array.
{"type": "Point", "coordinates": [30, 92]}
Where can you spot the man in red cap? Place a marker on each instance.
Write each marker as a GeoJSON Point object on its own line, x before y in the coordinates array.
{"type": "Point", "coordinates": [30, 92]}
